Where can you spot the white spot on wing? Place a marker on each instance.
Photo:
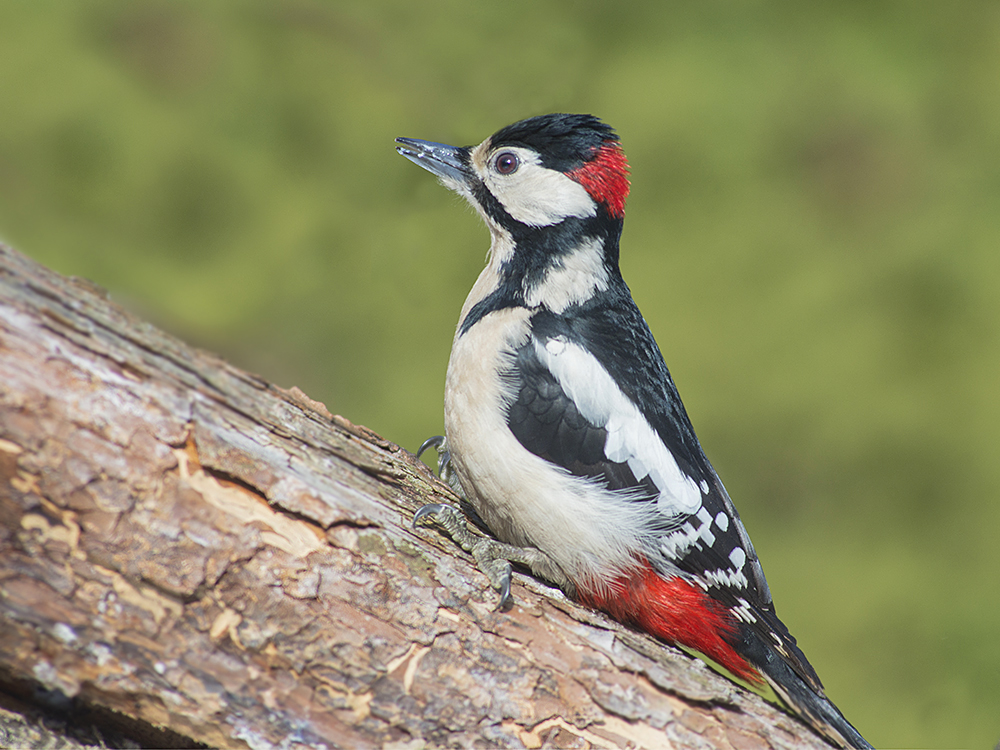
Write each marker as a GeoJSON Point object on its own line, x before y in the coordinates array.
{"type": "Point", "coordinates": [743, 611]}
{"type": "Point", "coordinates": [727, 578]}
{"type": "Point", "coordinates": [706, 526]}
{"type": "Point", "coordinates": [704, 487]}
{"type": "Point", "coordinates": [555, 345]}
{"type": "Point", "coordinates": [722, 521]}
{"type": "Point", "coordinates": [738, 557]}
{"type": "Point", "coordinates": [677, 543]}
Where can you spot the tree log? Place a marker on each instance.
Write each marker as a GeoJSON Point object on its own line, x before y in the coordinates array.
{"type": "Point", "coordinates": [193, 553]}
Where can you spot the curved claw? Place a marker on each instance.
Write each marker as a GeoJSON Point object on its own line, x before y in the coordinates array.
{"type": "Point", "coordinates": [506, 598]}
{"type": "Point", "coordinates": [432, 442]}
{"type": "Point", "coordinates": [427, 510]}
{"type": "Point", "coordinates": [445, 470]}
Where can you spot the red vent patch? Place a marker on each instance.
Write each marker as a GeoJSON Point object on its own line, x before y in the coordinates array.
{"type": "Point", "coordinates": [677, 612]}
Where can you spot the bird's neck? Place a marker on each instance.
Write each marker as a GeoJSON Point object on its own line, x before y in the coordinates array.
{"type": "Point", "coordinates": [551, 268]}
{"type": "Point", "coordinates": [568, 278]}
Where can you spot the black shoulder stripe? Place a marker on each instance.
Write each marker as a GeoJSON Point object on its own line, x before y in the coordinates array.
{"type": "Point", "coordinates": [501, 298]}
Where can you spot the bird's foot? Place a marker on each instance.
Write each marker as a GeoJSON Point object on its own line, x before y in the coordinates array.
{"type": "Point", "coordinates": [445, 470]}
{"type": "Point", "coordinates": [494, 558]}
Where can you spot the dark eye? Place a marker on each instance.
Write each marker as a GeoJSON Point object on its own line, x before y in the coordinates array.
{"type": "Point", "coordinates": [506, 163]}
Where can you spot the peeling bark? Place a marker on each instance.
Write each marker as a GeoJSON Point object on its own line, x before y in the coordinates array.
{"type": "Point", "coordinates": [195, 550]}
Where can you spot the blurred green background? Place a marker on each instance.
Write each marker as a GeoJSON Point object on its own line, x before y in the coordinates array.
{"type": "Point", "coordinates": [813, 236]}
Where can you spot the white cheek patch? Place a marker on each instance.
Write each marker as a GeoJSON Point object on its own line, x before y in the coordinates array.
{"type": "Point", "coordinates": [534, 195]}
{"type": "Point", "coordinates": [630, 439]}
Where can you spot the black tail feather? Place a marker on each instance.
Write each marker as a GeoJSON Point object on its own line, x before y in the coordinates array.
{"type": "Point", "coordinates": [807, 701]}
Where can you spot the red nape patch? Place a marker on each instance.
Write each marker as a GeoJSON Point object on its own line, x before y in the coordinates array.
{"type": "Point", "coordinates": [676, 611]}
{"type": "Point", "coordinates": [605, 177]}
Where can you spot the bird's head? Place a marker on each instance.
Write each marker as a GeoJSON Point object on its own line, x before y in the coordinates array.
{"type": "Point", "coordinates": [535, 173]}
{"type": "Point", "coordinates": [552, 191]}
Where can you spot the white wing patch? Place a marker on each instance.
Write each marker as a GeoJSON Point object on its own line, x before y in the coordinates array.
{"type": "Point", "coordinates": [630, 439]}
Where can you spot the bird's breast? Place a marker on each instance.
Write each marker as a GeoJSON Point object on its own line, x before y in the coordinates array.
{"type": "Point", "coordinates": [483, 449]}
{"type": "Point", "coordinates": [524, 499]}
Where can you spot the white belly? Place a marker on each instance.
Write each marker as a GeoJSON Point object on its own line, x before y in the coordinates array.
{"type": "Point", "coordinates": [524, 499]}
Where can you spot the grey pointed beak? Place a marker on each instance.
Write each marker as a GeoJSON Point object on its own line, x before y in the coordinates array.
{"type": "Point", "coordinates": [447, 162]}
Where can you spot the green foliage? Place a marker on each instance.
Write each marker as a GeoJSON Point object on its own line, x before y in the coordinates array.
{"type": "Point", "coordinates": [813, 236]}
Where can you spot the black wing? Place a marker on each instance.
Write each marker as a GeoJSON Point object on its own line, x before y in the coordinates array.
{"type": "Point", "coordinates": [710, 543]}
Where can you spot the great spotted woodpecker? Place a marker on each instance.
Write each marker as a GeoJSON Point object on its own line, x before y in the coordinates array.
{"type": "Point", "coordinates": [565, 431]}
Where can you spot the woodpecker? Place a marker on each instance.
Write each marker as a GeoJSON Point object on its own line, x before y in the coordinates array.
{"type": "Point", "coordinates": [565, 432]}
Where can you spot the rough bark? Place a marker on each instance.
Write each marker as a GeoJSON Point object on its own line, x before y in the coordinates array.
{"type": "Point", "coordinates": [212, 559]}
